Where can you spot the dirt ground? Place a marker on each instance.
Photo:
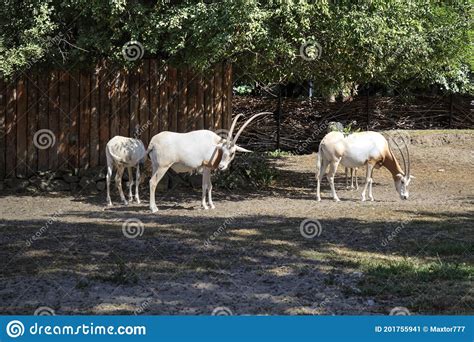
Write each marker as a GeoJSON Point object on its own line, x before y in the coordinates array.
{"type": "Point", "coordinates": [248, 256]}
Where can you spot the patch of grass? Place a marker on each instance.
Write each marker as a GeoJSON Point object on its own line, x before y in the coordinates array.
{"type": "Point", "coordinates": [279, 154]}
{"type": "Point", "coordinates": [450, 248]}
{"type": "Point", "coordinates": [426, 286]}
{"type": "Point", "coordinates": [120, 275]}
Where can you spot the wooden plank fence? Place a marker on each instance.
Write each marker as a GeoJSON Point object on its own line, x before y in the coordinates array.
{"type": "Point", "coordinates": [61, 120]}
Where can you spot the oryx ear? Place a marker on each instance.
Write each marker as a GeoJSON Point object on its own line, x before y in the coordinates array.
{"type": "Point", "coordinates": [241, 149]}
{"type": "Point", "coordinates": [412, 177]}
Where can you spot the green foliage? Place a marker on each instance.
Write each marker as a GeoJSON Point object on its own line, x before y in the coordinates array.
{"type": "Point", "coordinates": [279, 154]}
{"type": "Point", "coordinates": [243, 90]}
{"type": "Point", "coordinates": [396, 43]}
{"type": "Point", "coordinates": [247, 171]}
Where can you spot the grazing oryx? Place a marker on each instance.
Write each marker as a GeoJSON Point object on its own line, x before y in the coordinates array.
{"type": "Point", "coordinates": [334, 126]}
{"type": "Point", "coordinates": [201, 151]}
{"type": "Point", "coordinates": [124, 153]}
{"type": "Point", "coordinates": [358, 149]}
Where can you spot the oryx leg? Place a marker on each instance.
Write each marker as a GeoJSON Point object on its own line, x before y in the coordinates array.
{"type": "Point", "coordinates": [205, 186]}
{"type": "Point", "coordinates": [137, 183]}
{"type": "Point", "coordinates": [154, 180]}
{"type": "Point", "coordinates": [118, 183]}
{"type": "Point", "coordinates": [110, 166]}
{"type": "Point", "coordinates": [356, 180]}
{"type": "Point", "coordinates": [368, 181]}
{"type": "Point", "coordinates": [130, 183]}
{"type": "Point", "coordinates": [371, 197]}
{"type": "Point", "coordinates": [207, 189]}
{"type": "Point", "coordinates": [330, 177]}
{"type": "Point", "coordinates": [319, 177]}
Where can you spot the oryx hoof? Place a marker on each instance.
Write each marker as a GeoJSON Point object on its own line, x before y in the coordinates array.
{"type": "Point", "coordinates": [213, 206]}
{"type": "Point", "coordinates": [138, 201]}
{"type": "Point", "coordinates": [154, 209]}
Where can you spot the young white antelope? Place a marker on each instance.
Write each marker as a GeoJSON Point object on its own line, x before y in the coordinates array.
{"type": "Point", "coordinates": [201, 151]}
{"type": "Point", "coordinates": [123, 152]}
{"type": "Point", "coordinates": [358, 149]}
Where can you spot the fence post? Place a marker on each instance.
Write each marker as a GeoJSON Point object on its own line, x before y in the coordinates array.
{"type": "Point", "coordinates": [278, 118]}
{"type": "Point", "coordinates": [367, 107]}
{"type": "Point", "coordinates": [451, 110]}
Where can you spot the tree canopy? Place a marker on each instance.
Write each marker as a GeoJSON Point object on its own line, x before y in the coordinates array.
{"type": "Point", "coordinates": [334, 43]}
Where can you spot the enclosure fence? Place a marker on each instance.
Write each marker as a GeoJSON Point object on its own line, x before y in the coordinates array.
{"type": "Point", "coordinates": [62, 120]}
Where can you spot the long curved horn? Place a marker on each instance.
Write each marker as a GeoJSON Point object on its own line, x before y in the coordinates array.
{"type": "Point", "coordinates": [229, 136]}
{"type": "Point", "coordinates": [408, 156]}
{"type": "Point", "coordinates": [247, 123]}
{"type": "Point", "coordinates": [403, 157]}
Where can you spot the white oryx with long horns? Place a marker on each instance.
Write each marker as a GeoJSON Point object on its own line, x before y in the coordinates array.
{"type": "Point", "coordinates": [359, 149]}
{"type": "Point", "coordinates": [123, 152]}
{"type": "Point", "coordinates": [201, 150]}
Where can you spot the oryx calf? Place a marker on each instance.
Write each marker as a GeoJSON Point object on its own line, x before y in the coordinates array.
{"type": "Point", "coordinates": [201, 151]}
{"type": "Point", "coordinates": [123, 152]}
{"type": "Point", "coordinates": [358, 149]}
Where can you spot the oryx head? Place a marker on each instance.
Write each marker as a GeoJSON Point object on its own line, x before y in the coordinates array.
{"type": "Point", "coordinates": [403, 180]}
{"type": "Point", "coordinates": [229, 146]}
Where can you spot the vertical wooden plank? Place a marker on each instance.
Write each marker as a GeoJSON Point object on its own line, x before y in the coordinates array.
{"type": "Point", "coordinates": [84, 119]}
{"type": "Point", "coordinates": [73, 141]}
{"type": "Point", "coordinates": [114, 116]}
{"type": "Point", "coordinates": [182, 103]}
{"type": "Point", "coordinates": [125, 129]}
{"type": "Point", "coordinates": [164, 115]}
{"type": "Point", "coordinates": [3, 105]}
{"type": "Point", "coordinates": [64, 119]}
{"type": "Point", "coordinates": [10, 140]}
{"type": "Point", "coordinates": [199, 102]}
{"type": "Point", "coordinates": [53, 118]}
{"type": "Point", "coordinates": [134, 101]}
{"type": "Point", "coordinates": [218, 97]}
{"type": "Point", "coordinates": [43, 122]}
{"type": "Point", "coordinates": [104, 112]}
{"type": "Point", "coordinates": [21, 128]}
{"type": "Point", "coordinates": [94, 123]}
{"type": "Point", "coordinates": [191, 99]}
{"type": "Point", "coordinates": [208, 102]}
{"type": "Point", "coordinates": [154, 98]}
{"type": "Point", "coordinates": [227, 95]}
{"type": "Point", "coordinates": [144, 98]}
{"type": "Point", "coordinates": [32, 123]}
{"type": "Point", "coordinates": [172, 99]}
